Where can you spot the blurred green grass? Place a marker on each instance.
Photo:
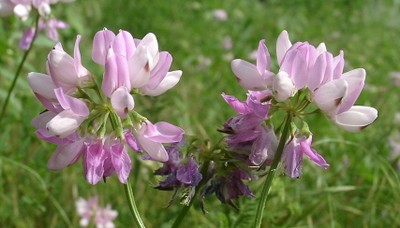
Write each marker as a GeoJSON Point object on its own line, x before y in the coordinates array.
{"type": "Point", "coordinates": [360, 189]}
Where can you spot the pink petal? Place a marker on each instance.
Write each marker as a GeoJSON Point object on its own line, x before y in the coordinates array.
{"type": "Point", "coordinates": [171, 79]}
{"type": "Point", "coordinates": [101, 43]}
{"type": "Point", "coordinates": [65, 155]}
{"type": "Point", "coordinates": [282, 45]}
{"type": "Point", "coordinates": [160, 70]}
{"type": "Point", "coordinates": [124, 45]}
{"type": "Point", "coordinates": [238, 106]}
{"type": "Point", "coordinates": [121, 161]}
{"type": "Point", "coordinates": [263, 58]}
{"type": "Point", "coordinates": [77, 106]}
{"type": "Point", "coordinates": [64, 124]}
{"type": "Point", "coordinates": [155, 149]}
{"type": "Point", "coordinates": [248, 76]}
{"type": "Point", "coordinates": [317, 73]}
{"type": "Point", "coordinates": [163, 132]}
{"type": "Point", "coordinates": [42, 84]}
{"type": "Point", "coordinates": [355, 80]}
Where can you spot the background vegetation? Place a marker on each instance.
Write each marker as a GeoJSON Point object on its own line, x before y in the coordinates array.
{"type": "Point", "coordinates": [362, 187]}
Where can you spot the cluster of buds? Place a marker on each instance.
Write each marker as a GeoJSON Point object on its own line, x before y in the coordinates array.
{"type": "Point", "coordinates": [98, 124]}
{"type": "Point", "coordinates": [22, 9]}
{"type": "Point", "coordinates": [309, 80]}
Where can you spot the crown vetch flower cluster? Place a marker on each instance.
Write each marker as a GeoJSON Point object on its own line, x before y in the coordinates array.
{"type": "Point", "coordinates": [307, 75]}
{"type": "Point", "coordinates": [47, 23]}
{"type": "Point", "coordinates": [90, 211]}
{"type": "Point", "coordinates": [97, 124]}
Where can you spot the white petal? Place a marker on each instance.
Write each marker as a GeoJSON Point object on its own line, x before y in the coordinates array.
{"type": "Point", "coordinates": [247, 75]}
{"type": "Point", "coordinates": [283, 86]}
{"type": "Point", "coordinates": [139, 67]}
{"type": "Point", "coordinates": [356, 118]}
{"type": "Point", "coordinates": [64, 124]}
{"type": "Point", "coordinates": [329, 96]}
{"type": "Point", "coordinates": [170, 80]}
{"type": "Point", "coordinates": [22, 11]}
{"type": "Point", "coordinates": [321, 48]}
{"type": "Point", "coordinates": [282, 45]}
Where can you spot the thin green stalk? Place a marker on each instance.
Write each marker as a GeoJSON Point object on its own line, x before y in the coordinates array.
{"type": "Point", "coordinates": [21, 64]}
{"type": "Point", "coordinates": [272, 171]}
{"type": "Point", "coordinates": [132, 205]}
{"type": "Point", "coordinates": [185, 210]}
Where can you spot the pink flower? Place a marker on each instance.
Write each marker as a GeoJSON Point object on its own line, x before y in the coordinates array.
{"type": "Point", "coordinates": [332, 91]}
{"type": "Point", "coordinates": [66, 71]}
{"type": "Point", "coordinates": [293, 156]}
{"type": "Point", "coordinates": [150, 138]}
{"type": "Point", "coordinates": [90, 210]}
{"type": "Point", "coordinates": [254, 77]}
{"type": "Point", "coordinates": [104, 217]}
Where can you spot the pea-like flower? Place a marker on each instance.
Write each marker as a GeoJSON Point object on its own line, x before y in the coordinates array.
{"type": "Point", "coordinates": [96, 123]}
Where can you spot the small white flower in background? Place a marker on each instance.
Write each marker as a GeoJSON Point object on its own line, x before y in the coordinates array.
{"type": "Point", "coordinates": [220, 15]}
{"type": "Point", "coordinates": [89, 210]}
{"type": "Point", "coordinates": [227, 43]}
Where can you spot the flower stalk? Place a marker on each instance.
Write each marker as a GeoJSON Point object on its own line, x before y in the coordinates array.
{"type": "Point", "coordinates": [272, 171]}
{"type": "Point", "coordinates": [132, 205]}
{"type": "Point", "coordinates": [21, 64]}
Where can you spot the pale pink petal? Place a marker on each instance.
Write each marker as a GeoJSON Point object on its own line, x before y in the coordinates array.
{"type": "Point", "coordinates": [263, 58]}
{"type": "Point", "coordinates": [124, 45]}
{"type": "Point", "coordinates": [355, 80]}
{"type": "Point", "coordinates": [248, 76]}
{"type": "Point", "coordinates": [42, 119]}
{"type": "Point", "coordinates": [171, 79]}
{"type": "Point", "coordinates": [65, 155]}
{"type": "Point", "coordinates": [42, 84]}
{"type": "Point", "coordinates": [101, 43]}
{"type": "Point", "coordinates": [155, 149]}
{"type": "Point", "coordinates": [139, 67]}
{"type": "Point", "coordinates": [122, 101]}
{"type": "Point", "coordinates": [77, 106]}
{"type": "Point", "coordinates": [163, 132]}
{"type": "Point", "coordinates": [282, 45]}
{"type": "Point", "coordinates": [283, 86]}
{"type": "Point", "coordinates": [329, 96]}
{"type": "Point", "coordinates": [317, 73]}
{"type": "Point", "coordinates": [121, 161]}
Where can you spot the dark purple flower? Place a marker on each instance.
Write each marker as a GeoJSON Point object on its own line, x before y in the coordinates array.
{"type": "Point", "coordinates": [230, 187]}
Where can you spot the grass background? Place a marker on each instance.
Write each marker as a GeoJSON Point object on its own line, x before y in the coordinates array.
{"type": "Point", "coordinates": [362, 187]}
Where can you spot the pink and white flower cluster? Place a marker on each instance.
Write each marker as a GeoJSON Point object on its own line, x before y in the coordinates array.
{"type": "Point", "coordinates": [22, 9]}
{"type": "Point", "coordinates": [98, 124]}
{"type": "Point", "coordinates": [90, 211]}
{"type": "Point", "coordinates": [307, 75]}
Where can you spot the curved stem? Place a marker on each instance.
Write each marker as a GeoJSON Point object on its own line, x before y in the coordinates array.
{"type": "Point", "coordinates": [132, 205]}
{"type": "Point", "coordinates": [21, 64]}
{"type": "Point", "coordinates": [272, 170]}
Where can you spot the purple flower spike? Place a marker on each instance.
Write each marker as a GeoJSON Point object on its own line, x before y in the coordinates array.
{"type": "Point", "coordinates": [27, 39]}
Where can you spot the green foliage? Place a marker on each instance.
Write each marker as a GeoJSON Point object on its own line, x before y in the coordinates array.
{"type": "Point", "coordinates": [361, 188]}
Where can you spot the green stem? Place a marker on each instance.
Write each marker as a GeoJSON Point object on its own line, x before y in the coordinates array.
{"type": "Point", "coordinates": [132, 205]}
{"type": "Point", "coordinates": [272, 171]}
{"type": "Point", "coordinates": [185, 209]}
{"type": "Point", "coordinates": [21, 64]}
